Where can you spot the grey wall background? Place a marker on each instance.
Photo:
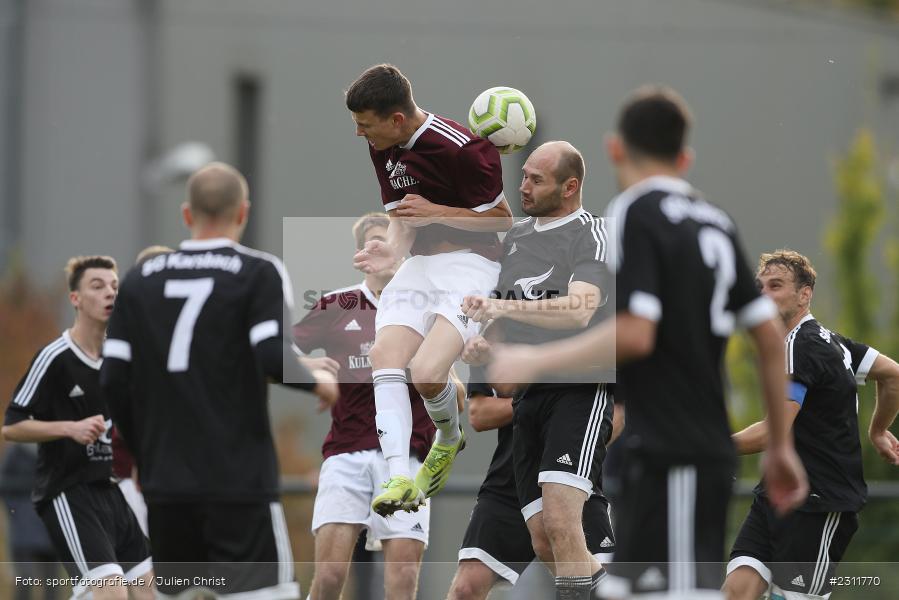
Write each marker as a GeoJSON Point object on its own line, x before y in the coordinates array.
{"type": "Point", "coordinates": [778, 91]}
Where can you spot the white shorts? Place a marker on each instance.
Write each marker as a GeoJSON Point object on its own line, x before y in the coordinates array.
{"type": "Point", "coordinates": [348, 483]}
{"type": "Point", "coordinates": [427, 286]}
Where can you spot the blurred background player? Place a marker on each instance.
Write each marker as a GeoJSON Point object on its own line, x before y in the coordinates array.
{"type": "Point", "coordinates": [443, 190]}
{"type": "Point", "coordinates": [682, 282]}
{"type": "Point", "coordinates": [552, 282]}
{"type": "Point", "coordinates": [497, 544]}
{"type": "Point", "coordinates": [797, 555]}
{"type": "Point", "coordinates": [123, 467]}
{"type": "Point", "coordinates": [194, 339]}
{"type": "Point", "coordinates": [58, 403]}
{"type": "Point", "coordinates": [342, 323]}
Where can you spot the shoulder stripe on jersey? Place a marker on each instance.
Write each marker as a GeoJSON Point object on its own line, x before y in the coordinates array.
{"type": "Point", "coordinates": [791, 337]}
{"type": "Point", "coordinates": [597, 228]}
{"type": "Point", "coordinates": [67, 524]}
{"type": "Point", "coordinates": [286, 286]}
{"type": "Point", "coordinates": [488, 205]}
{"type": "Point", "coordinates": [438, 124]}
{"type": "Point", "coordinates": [39, 369]}
{"type": "Point", "coordinates": [451, 138]}
{"type": "Point", "coordinates": [114, 348]}
{"type": "Point", "coordinates": [263, 331]}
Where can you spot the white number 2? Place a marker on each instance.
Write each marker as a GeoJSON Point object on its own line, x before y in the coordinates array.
{"type": "Point", "coordinates": [718, 254]}
{"type": "Point", "coordinates": [196, 291]}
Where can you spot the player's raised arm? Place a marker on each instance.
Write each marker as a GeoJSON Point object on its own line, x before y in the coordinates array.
{"type": "Point", "coordinates": [378, 255]}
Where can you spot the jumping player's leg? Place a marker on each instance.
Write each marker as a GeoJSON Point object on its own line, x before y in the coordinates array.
{"type": "Point", "coordinates": [430, 375]}
{"type": "Point", "coordinates": [394, 347]}
{"type": "Point", "coordinates": [402, 563]}
{"type": "Point", "coordinates": [334, 543]}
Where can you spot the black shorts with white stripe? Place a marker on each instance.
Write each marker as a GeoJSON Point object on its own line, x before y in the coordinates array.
{"type": "Point", "coordinates": [797, 553]}
{"type": "Point", "coordinates": [95, 532]}
{"type": "Point", "coordinates": [559, 436]}
{"type": "Point", "coordinates": [498, 536]}
{"type": "Point", "coordinates": [670, 527]}
{"type": "Point", "coordinates": [228, 547]}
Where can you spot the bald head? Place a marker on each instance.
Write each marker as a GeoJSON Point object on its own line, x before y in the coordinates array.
{"type": "Point", "coordinates": [564, 160]}
{"type": "Point", "coordinates": [216, 192]}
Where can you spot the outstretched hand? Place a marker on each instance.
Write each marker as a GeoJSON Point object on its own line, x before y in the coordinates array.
{"type": "Point", "coordinates": [376, 256]}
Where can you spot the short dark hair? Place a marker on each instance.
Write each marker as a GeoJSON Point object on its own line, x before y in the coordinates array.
{"type": "Point", "coordinates": [797, 264]}
{"type": "Point", "coordinates": [366, 222]}
{"type": "Point", "coordinates": [77, 265]}
{"type": "Point", "coordinates": [654, 122]}
{"type": "Point", "coordinates": [216, 190]}
{"type": "Point", "coordinates": [382, 89]}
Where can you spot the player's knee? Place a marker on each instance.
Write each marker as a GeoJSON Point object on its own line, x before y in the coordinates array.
{"type": "Point", "coordinates": [329, 579]}
{"type": "Point", "coordinates": [557, 524]}
{"type": "Point", "coordinates": [470, 583]}
{"type": "Point", "coordinates": [542, 548]}
{"type": "Point", "coordinates": [743, 584]}
{"type": "Point", "coordinates": [429, 379]}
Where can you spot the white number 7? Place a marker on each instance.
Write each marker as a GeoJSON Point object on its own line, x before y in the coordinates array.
{"type": "Point", "coordinates": [196, 291]}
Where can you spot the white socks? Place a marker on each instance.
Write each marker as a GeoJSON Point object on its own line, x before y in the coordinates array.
{"type": "Point", "coordinates": [393, 418]}
{"type": "Point", "coordinates": [445, 413]}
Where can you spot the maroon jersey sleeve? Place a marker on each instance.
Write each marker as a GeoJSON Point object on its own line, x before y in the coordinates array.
{"type": "Point", "coordinates": [479, 175]}
{"type": "Point", "coordinates": [312, 330]}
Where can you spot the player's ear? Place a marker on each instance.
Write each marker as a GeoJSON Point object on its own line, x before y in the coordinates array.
{"type": "Point", "coordinates": [685, 160]}
{"type": "Point", "coordinates": [805, 295]}
{"type": "Point", "coordinates": [615, 148]}
{"type": "Point", "coordinates": [186, 215]}
{"type": "Point", "coordinates": [398, 119]}
{"type": "Point", "coordinates": [75, 299]}
{"type": "Point", "coordinates": [243, 212]}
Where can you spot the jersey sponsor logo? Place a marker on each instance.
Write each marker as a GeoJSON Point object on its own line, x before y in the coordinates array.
{"type": "Point", "coordinates": [353, 326]}
{"type": "Point", "coordinates": [101, 450]}
{"type": "Point", "coordinates": [358, 362]}
{"type": "Point", "coordinates": [417, 527]}
{"type": "Point", "coordinates": [381, 433]}
{"type": "Point", "coordinates": [76, 391]}
{"type": "Point", "coordinates": [677, 208]}
{"type": "Point", "coordinates": [398, 178]}
{"type": "Point", "coordinates": [528, 283]}
{"type": "Point", "coordinates": [565, 460]}
{"type": "Point", "coordinates": [825, 334]}
{"type": "Point", "coordinates": [606, 543]}
{"type": "Point", "coordinates": [463, 319]}
{"type": "Point", "coordinates": [798, 580]}
{"type": "Point", "coordinates": [513, 249]}
{"type": "Point", "coordinates": [178, 261]}
{"type": "Point", "coordinates": [389, 165]}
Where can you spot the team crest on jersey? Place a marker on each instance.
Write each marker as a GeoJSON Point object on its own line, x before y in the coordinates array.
{"type": "Point", "coordinates": [365, 348]}
{"type": "Point", "coordinates": [389, 165]}
{"type": "Point", "coordinates": [528, 283]}
{"type": "Point", "coordinates": [399, 170]}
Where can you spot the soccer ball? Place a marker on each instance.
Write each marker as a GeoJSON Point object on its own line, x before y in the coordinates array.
{"type": "Point", "coordinates": [504, 116]}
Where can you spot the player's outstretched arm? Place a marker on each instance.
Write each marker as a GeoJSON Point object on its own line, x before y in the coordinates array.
{"type": "Point", "coordinates": [86, 431]}
{"type": "Point", "coordinates": [782, 471]}
{"type": "Point", "coordinates": [885, 372]}
{"type": "Point", "coordinates": [573, 311]}
{"type": "Point", "coordinates": [419, 211]}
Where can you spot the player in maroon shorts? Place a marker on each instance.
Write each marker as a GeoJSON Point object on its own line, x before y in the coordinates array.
{"type": "Point", "coordinates": [343, 324]}
{"type": "Point", "coordinates": [443, 189]}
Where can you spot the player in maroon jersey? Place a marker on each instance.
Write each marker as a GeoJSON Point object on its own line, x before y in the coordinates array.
{"type": "Point", "coordinates": [343, 324]}
{"type": "Point", "coordinates": [443, 189]}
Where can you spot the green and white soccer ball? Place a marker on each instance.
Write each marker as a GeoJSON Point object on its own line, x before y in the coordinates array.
{"type": "Point", "coordinates": [504, 116]}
